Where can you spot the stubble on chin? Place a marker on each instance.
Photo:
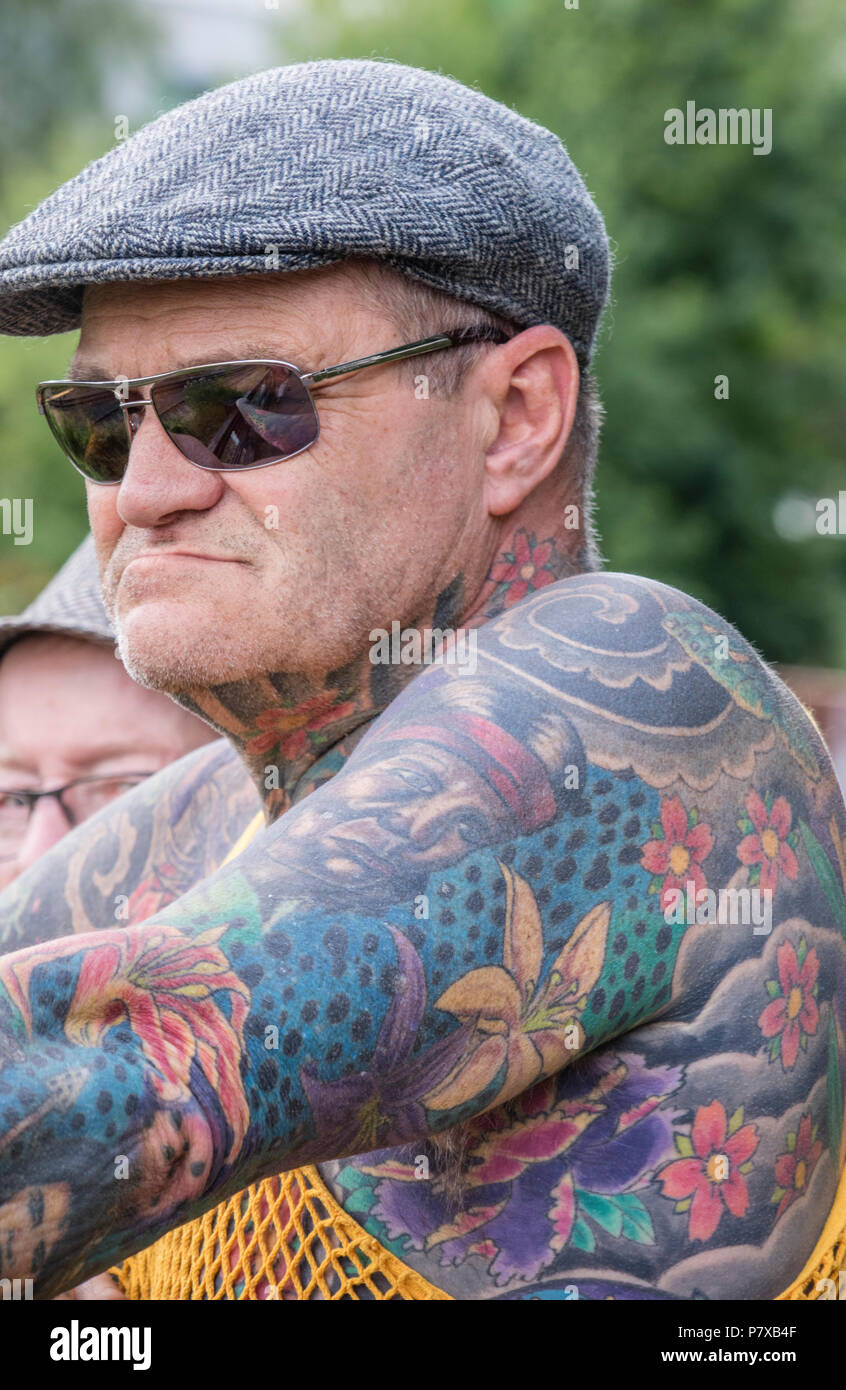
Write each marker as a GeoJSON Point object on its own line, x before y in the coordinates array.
{"type": "Point", "coordinates": [186, 652]}
{"type": "Point", "coordinates": [180, 639]}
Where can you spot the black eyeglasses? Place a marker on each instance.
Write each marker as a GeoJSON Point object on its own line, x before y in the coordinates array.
{"type": "Point", "coordinates": [78, 799]}
{"type": "Point", "coordinates": [223, 416]}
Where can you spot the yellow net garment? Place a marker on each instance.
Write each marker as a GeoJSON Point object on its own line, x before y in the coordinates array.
{"type": "Point", "coordinates": [288, 1238]}
{"type": "Point", "coordinates": [284, 1238]}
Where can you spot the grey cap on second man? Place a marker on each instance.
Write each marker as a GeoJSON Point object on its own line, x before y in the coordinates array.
{"type": "Point", "coordinates": [307, 165]}
{"type": "Point", "coordinates": [70, 605]}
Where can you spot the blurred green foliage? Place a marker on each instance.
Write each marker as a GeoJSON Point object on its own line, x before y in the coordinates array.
{"type": "Point", "coordinates": [727, 263]}
{"type": "Point", "coordinates": [62, 61]}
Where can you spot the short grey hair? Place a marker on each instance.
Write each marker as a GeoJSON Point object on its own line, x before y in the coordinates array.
{"type": "Point", "coordinates": [416, 311]}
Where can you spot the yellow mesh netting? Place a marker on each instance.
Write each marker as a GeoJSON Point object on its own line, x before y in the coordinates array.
{"type": "Point", "coordinates": [823, 1281]}
{"type": "Point", "coordinates": [284, 1238]}
{"type": "Point", "coordinates": [288, 1238]}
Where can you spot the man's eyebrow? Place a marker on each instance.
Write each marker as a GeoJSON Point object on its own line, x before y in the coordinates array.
{"type": "Point", "coordinates": [81, 369]}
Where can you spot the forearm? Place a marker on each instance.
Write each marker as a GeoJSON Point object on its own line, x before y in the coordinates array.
{"type": "Point", "coordinates": [148, 1081]}
{"type": "Point", "coordinates": [121, 1055]}
{"type": "Point", "coordinates": [61, 1195]}
{"type": "Point", "coordinates": [232, 1037]}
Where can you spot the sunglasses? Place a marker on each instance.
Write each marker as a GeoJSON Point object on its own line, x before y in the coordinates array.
{"type": "Point", "coordinates": [223, 416]}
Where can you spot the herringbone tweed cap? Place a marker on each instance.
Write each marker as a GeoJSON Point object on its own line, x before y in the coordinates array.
{"type": "Point", "coordinates": [312, 163]}
{"type": "Point", "coordinates": [70, 604]}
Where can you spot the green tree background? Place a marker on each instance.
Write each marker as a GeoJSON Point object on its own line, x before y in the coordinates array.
{"type": "Point", "coordinates": [726, 264]}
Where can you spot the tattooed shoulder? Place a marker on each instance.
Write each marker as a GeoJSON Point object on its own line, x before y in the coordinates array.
{"type": "Point", "coordinates": [695, 1151]}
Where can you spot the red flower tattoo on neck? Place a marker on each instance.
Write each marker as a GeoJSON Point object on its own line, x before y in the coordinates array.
{"type": "Point", "coordinates": [531, 565]}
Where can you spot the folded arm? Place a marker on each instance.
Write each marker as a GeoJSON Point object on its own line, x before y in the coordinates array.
{"type": "Point", "coordinates": [449, 921]}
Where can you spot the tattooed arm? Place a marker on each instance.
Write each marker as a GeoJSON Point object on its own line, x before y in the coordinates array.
{"type": "Point", "coordinates": [696, 1156]}
{"type": "Point", "coordinates": [139, 853]}
{"type": "Point", "coordinates": [479, 899]}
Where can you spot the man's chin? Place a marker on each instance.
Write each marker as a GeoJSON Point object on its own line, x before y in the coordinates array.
{"type": "Point", "coordinates": [175, 651]}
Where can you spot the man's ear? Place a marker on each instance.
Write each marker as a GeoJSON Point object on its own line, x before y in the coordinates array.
{"type": "Point", "coordinates": [532, 383]}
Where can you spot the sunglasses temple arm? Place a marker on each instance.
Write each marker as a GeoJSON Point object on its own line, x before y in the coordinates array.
{"type": "Point", "coordinates": [391, 355]}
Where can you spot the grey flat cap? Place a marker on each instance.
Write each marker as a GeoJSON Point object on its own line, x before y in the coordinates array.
{"type": "Point", "coordinates": [307, 165]}
{"type": "Point", "coordinates": [71, 604]}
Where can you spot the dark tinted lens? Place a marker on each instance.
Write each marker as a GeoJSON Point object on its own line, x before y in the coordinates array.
{"type": "Point", "coordinates": [89, 424]}
{"type": "Point", "coordinates": [237, 417]}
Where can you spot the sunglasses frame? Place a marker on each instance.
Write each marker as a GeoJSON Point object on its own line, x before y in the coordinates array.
{"type": "Point", "coordinates": [309, 379]}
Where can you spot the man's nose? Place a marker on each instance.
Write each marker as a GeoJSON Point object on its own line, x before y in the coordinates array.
{"type": "Point", "coordinates": [159, 481]}
{"type": "Point", "coordinates": [47, 825]}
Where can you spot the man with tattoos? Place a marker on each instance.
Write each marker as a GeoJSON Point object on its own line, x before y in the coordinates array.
{"type": "Point", "coordinates": [450, 967]}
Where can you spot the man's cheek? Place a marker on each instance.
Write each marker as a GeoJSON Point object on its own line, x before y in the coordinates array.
{"type": "Point", "coordinates": [107, 524]}
{"type": "Point", "coordinates": [102, 512]}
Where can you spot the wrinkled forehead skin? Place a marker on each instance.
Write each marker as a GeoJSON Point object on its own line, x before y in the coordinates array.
{"type": "Point", "coordinates": [310, 318]}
